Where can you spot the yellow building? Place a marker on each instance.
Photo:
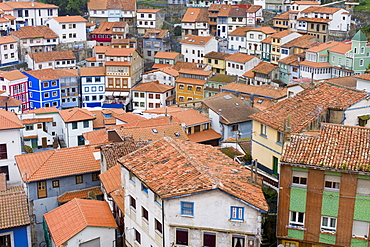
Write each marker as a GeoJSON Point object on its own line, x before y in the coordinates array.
{"type": "Point", "coordinates": [277, 40]}
{"type": "Point", "coordinates": [281, 22]}
{"type": "Point", "coordinates": [190, 85]}
{"type": "Point", "coordinates": [217, 61]}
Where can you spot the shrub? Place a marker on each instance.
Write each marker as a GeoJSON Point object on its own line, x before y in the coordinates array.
{"type": "Point", "coordinates": [27, 149]}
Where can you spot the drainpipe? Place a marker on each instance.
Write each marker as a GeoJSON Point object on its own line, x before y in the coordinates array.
{"type": "Point", "coordinates": [163, 240]}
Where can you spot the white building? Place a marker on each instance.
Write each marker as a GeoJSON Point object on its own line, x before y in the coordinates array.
{"type": "Point", "coordinates": [195, 22]}
{"type": "Point", "coordinates": [10, 144]}
{"type": "Point", "coordinates": [51, 60]}
{"type": "Point", "coordinates": [195, 47]}
{"type": "Point", "coordinates": [69, 28]}
{"type": "Point", "coordinates": [35, 39]}
{"type": "Point", "coordinates": [112, 11]}
{"type": "Point", "coordinates": [92, 86]}
{"type": "Point", "coordinates": [254, 15]}
{"type": "Point", "coordinates": [163, 208]}
{"type": "Point", "coordinates": [29, 13]}
{"type": "Point", "coordinates": [146, 96]}
{"type": "Point", "coordinates": [302, 5]}
{"type": "Point", "coordinates": [8, 51]}
{"type": "Point", "coordinates": [75, 121]}
{"type": "Point", "coordinates": [83, 228]}
{"type": "Point", "coordinates": [149, 19]}
{"type": "Point", "coordinates": [15, 84]}
{"type": "Point", "coordinates": [239, 63]}
{"type": "Point", "coordinates": [165, 76]}
{"type": "Point", "coordinates": [254, 38]}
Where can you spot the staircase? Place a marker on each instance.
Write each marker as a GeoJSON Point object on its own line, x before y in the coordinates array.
{"type": "Point", "coordinates": [62, 143]}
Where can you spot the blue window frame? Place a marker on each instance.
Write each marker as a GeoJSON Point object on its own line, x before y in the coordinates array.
{"type": "Point", "coordinates": [187, 208]}
{"type": "Point", "coordinates": [237, 213]}
{"type": "Point", "coordinates": [144, 188]}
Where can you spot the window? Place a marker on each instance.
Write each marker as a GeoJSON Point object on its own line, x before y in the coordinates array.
{"type": "Point", "coordinates": [158, 96]}
{"type": "Point", "coordinates": [137, 236]}
{"type": "Point", "coordinates": [328, 224]}
{"type": "Point", "coordinates": [41, 189]}
{"type": "Point", "coordinates": [79, 179]}
{"type": "Point", "coordinates": [181, 86]}
{"type": "Point", "coordinates": [74, 125]}
{"type": "Point", "coordinates": [182, 236]}
{"type": "Point", "coordinates": [150, 96]}
{"type": "Point", "coordinates": [187, 208]}
{"type": "Point", "coordinates": [299, 178]}
{"type": "Point", "coordinates": [296, 218]}
{"type": "Point", "coordinates": [234, 127]}
{"type": "Point", "coordinates": [131, 177]}
{"type": "Point", "coordinates": [238, 241]}
{"type": "Point", "coordinates": [157, 199]}
{"type": "Point", "coordinates": [263, 130]}
{"type": "Point", "coordinates": [145, 213]}
{"type": "Point", "coordinates": [5, 169]}
{"type": "Point", "coordinates": [63, 26]}
{"type": "Point", "coordinates": [158, 226]}
{"type": "Point", "coordinates": [209, 239]}
{"type": "Point", "coordinates": [29, 127]}
{"type": "Point", "coordinates": [132, 202]}
{"type": "Point", "coordinates": [360, 229]}
{"type": "Point", "coordinates": [144, 188]}
{"type": "Point", "coordinates": [141, 95]}
{"type": "Point", "coordinates": [95, 176]}
{"type": "Point", "coordinates": [332, 182]}
{"type": "Point", "coordinates": [3, 152]}
{"type": "Point", "coordinates": [361, 62]}
{"type": "Point", "coordinates": [279, 138]}
{"type": "Point", "coordinates": [55, 183]}
{"type": "Point", "coordinates": [46, 84]}
{"type": "Point", "coordinates": [237, 213]}
{"type": "Point", "coordinates": [5, 240]}
{"type": "Point", "coordinates": [46, 95]}
{"type": "Point", "coordinates": [54, 93]}
{"type": "Point", "coordinates": [86, 124]}
{"type": "Point", "coordinates": [190, 88]}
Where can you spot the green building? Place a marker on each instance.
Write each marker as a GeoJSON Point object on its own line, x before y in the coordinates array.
{"type": "Point", "coordinates": [214, 84]}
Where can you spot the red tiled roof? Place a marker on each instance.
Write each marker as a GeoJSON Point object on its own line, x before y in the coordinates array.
{"type": "Point", "coordinates": [160, 66]}
{"type": "Point", "coordinates": [341, 48]}
{"type": "Point", "coordinates": [71, 218]}
{"type": "Point", "coordinates": [196, 40]}
{"type": "Point", "coordinates": [307, 106]}
{"type": "Point", "coordinates": [153, 86]}
{"type": "Point", "coordinates": [337, 147]}
{"type": "Point", "coordinates": [9, 101]}
{"type": "Point", "coordinates": [37, 120]}
{"type": "Point", "coordinates": [166, 55]}
{"type": "Point", "coordinates": [75, 114]}
{"type": "Point", "coordinates": [8, 6]}
{"type": "Point", "coordinates": [158, 33]}
{"type": "Point", "coordinates": [82, 194]}
{"type": "Point", "coordinates": [315, 64]}
{"type": "Point", "coordinates": [52, 56]}
{"type": "Point", "coordinates": [129, 117]}
{"type": "Point", "coordinates": [13, 208]}
{"type": "Point", "coordinates": [311, 19]}
{"type": "Point", "coordinates": [195, 15]}
{"type": "Point", "coordinates": [265, 90]}
{"type": "Point", "coordinates": [240, 31]}
{"type": "Point", "coordinates": [190, 117]}
{"type": "Point", "coordinates": [13, 75]}
{"type": "Point", "coordinates": [108, 27]}
{"type": "Point", "coordinates": [96, 137]}
{"type": "Point", "coordinates": [35, 32]}
{"type": "Point", "coordinates": [67, 19]}
{"type": "Point", "coordinates": [111, 179]}
{"type": "Point", "coordinates": [205, 135]}
{"type": "Point", "coordinates": [240, 57]}
{"type": "Point", "coordinates": [57, 163]}
{"type": "Point", "coordinates": [8, 120]}
{"type": "Point", "coordinates": [92, 71]}
{"type": "Point", "coordinates": [44, 110]}
{"type": "Point", "coordinates": [52, 74]}
{"type": "Point", "coordinates": [148, 10]}
{"type": "Point", "coordinates": [320, 9]}
{"type": "Point", "coordinates": [178, 168]}
{"type": "Point", "coordinates": [324, 46]}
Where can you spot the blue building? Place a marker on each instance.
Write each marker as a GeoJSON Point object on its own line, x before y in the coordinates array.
{"type": "Point", "coordinates": [57, 176]}
{"type": "Point", "coordinates": [15, 220]}
{"type": "Point", "coordinates": [92, 86]}
{"type": "Point", "coordinates": [155, 40]}
{"type": "Point", "coordinates": [52, 88]}
{"type": "Point", "coordinates": [289, 68]}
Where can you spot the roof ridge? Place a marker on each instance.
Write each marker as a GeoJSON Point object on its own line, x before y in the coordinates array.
{"type": "Point", "coordinates": [51, 154]}
{"type": "Point", "coordinates": [81, 211]}
{"type": "Point", "coordinates": [11, 120]}
{"type": "Point", "coordinates": [216, 182]}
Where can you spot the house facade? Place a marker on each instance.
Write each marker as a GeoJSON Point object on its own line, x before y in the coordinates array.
{"type": "Point", "coordinates": [51, 60]}
{"type": "Point", "coordinates": [149, 19]}
{"type": "Point", "coordinates": [15, 84]}
{"type": "Point", "coordinates": [9, 51]}
{"type": "Point", "coordinates": [92, 86]}
{"type": "Point", "coordinates": [68, 28]}
{"type": "Point", "coordinates": [195, 47]}
{"type": "Point", "coordinates": [155, 41]}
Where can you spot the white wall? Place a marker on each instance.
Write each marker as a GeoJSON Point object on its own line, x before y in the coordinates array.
{"type": "Point", "coordinates": [106, 235]}
{"type": "Point", "coordinates": [12, 139]}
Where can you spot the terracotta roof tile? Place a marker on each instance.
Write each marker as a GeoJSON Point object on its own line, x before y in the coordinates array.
{"type": "Point", "coordinates": [26, 5]}
{"type": "Point", "coordinates": [205, 135]}
{"type": "Point", "coordinates": [120, 52]}
{"type": "Point", "coordinates": [148, 10]}
{"type": "Point", "coordinates": [233, 109]}
{"type": "Point", "coordinates": [311, 19]}
{"type": "Point", "coordinates": [7, 40]}
{"type": "Point", "coordinates": [363, 76]}
{"type": "Point", "coordinates": [240, 31]}
{"type": "Point", "coordinates": [240, 57]}
{"type": "Point", "coordinates": [159, 33]}
{"type": "Point", "coordinates": [195, 72]}
{"type": "Point", "coordinates": [82, 194]}
{"type": "Point", "coordinates": [184, 65]}
{"type": "Point", "coordinates": [190, 117]}
{"type": "Point", "coordinates": [178, 168]}
{"type": "Point", "coordinates": [92, 71]}
{"type": "Point", "coordinates": [319, 9]}
{"type": "Point", "coordinates": [217, 55]}
{"type": "Point", "coordinates": [196, 40]}
{"type": "Point", "coordinates": [12, 75]}
{"type": "Point", "coordinates": [324, 46]}
{"type": "Point", "coordinates": [283, 16]}
{"type": "Point", "coordinates": [160, 66]}
{"type": "Point", "coordinates": [315, 64]}
{"type": "Point", "coordinates": [191, 81]}
{"type": "Point", "coordinates": [111, 179]}
{"type": "Point", "coordinates": [254, 8]}
{"type": "Point", "coordinates": [108, 27]}
{"type": "Point", "coordinates": [264, 90]}
{"type": "Point", "coordinates": [281, 34]}
{"type": "Point", "coordinates": [71, 218]}
{"type": "Point", "coordinates": [304, 42]}
{"type": "Point", "coordinates": [163, 110]}
{"type": "Point", "coordinates": [8, 120]}
{"type": "Point", "coordinates": [44, 110]}
{"type": "Point", "coordinates": [52, 56]}
{"type": "Point", "coordinates": [113, 151]}
{"type": "Point", "coordinates": [67, 19]}
{"type": "Point", "coordinates": [51, 74]}
{"type": "Point", "coordinates": [129, 117]}
{"type": "Point", "coordinates": [31, 32]}
{"type": "Point", "coordinates": [265, 29]}
{"type": "Point", "coordinates": [306, 2]}
{"type": "Point", "coordinates": [37, 120]}
{"type": "Point", "coordinates": [75, 114]}
{"type": "Point", "coordinates": [308, 105]}
{"type": "Point", "coordinates": [13, 208]}
{"type": "Point", "coordinates": [166, 55]}
{"type": "Point", "coordinates": [153, 86]}
{"type": "Point", "coordinates": [267, 40]}
{"type": "Point", "coordinates": [9, 101]}
{"type": "Point", "coordinates": [96, 137]}
{"type": "Point", "coordinates": [337, 147]}
{"type": "Point", "coordinates": [289, 59]}
{"type": "Point", "coordinates": [57, 163]}
{"type": "Point", "coordinates": [341, 48]}
{"type": "Point", "coordinates": [263, 68]}
{"type": "Point", "coordinates": [195, 15]}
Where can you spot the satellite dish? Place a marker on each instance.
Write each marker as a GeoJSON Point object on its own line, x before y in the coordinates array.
{"type": "Point", "coordinates": [280, 245]}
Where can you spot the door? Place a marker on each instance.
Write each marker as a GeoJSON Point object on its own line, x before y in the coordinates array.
{"type": "Point", "coordinates": [41, 189]}
{"type": "Point", "coordinates": [34, 142]}
{"type": "Point", "coordinates": [44, 142]}
{"type": "Point", "coordinates": [275, 165]}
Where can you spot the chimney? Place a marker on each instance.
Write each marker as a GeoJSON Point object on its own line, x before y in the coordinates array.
{"type": "Point", "coordinates": [3, 182]}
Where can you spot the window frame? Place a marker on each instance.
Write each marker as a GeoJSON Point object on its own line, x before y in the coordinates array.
{"type": "Point", "coordinates": [132, 202]}
{"type": "Point", "coordinates": [182, 241]}
{"type": "Point", "coordinates": [327, 228]}
{"type": "Point", "coordinates": [79, 179]}
{"type": "Point", "coordinates": [183, 208]}
{"type": "Point", "coordinates": [144, 214]}
{"type": "Point", "coordinates": [237, 213]}
{"type": "Point", "coordinates": [55, 183]}
{"type": "Point", "coordinates": [295, 222]}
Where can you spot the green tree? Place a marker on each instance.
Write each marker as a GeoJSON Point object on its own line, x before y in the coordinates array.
{"type": "Point", "coordinates": [69, 7]}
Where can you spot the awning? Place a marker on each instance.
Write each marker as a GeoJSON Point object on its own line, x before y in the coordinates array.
{"type": "Point", "coordinates": [365, 117]}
